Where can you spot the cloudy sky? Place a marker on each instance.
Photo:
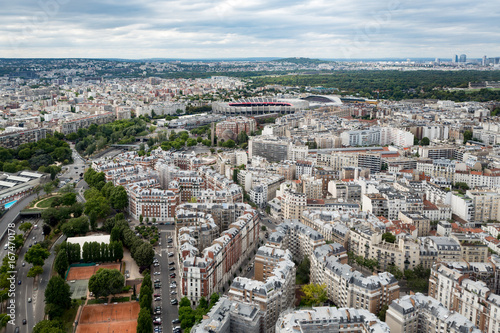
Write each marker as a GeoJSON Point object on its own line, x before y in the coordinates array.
{"type": "Point", "coordinates": [249, 28]}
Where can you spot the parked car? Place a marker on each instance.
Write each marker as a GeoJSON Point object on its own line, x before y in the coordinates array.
{"type": "Point", "coordinates": [171, 268]}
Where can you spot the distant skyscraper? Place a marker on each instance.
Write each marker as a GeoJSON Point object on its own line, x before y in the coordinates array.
{"type": "Point", "coordinates": [485, 60]}
{"type": "Point", "coordinates": [463, 58]}
{"type": "Point", "coordinates": [456, 58]}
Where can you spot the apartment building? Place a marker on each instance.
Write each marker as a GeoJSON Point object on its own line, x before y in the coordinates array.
{"type": "Point", "coordinates": [312, 187]}
{"type": "Point", "coordinates": [422, 223]}
{"type": "Point", "coordinates": [208, 272]}
{"type": "Point", "coordinates": [347, 287]}
{"type": "Point", "coordinates": [330, 320]}
{"type": "Point", "coordinates": [473, 247]}
{"type": "Point", "coordinates": [196, 230]}
{"type": "Point", "coordinates": [434, 248]}
{"type": "Point", "coordinates": [467, 295]}
{"type": "Point", "coordinates": [152, 202]}
{"type": "Point", "coordinates": [368, 137]}
{"type": "Point", "coordinates": [272, 148]}
{"type": "Point", "coordinates": [404, 253]}
{"type": "Point", "coordinates": [419, 313]}
{"type": "Point", "coordinates": [375, 203]}
{"type": "Point", "coordinates": [296, 237]}
{"type": "Point", "coordinates": [275, 293]}
{"type": "Point", "coordinates": [228, 316]}
{"type": "Point", "coordinates": [15, 139]}
{"type": "Point", "coordinates": [293, 204]}
{"type": "Point", "coordinates": [223, 214]}
{"type": "Point", "coordinates": [73, 125]}
{"type": "Point", "coordinates": [236, 125]}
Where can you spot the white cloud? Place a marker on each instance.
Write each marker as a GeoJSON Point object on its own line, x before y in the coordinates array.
{"type": "Point", "coordinates": [253, 28]}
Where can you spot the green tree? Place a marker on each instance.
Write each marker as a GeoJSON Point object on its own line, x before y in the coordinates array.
{"type": "Point", "coordinates": [117, 250]}
{"type": "Point", "coordinates": [425, 141]}
{"type": "Point", "coordinates": [61, 263]}
{"type": "Point", "coordinates": [119, 198]}
{"type": "Point", "coordinates": [49, 326]}
{"type": "Point", "coordinates": [144, 322]}
{"type": "Point", "coordinates": [229, 144]}
{"type": "Point", "coordinates": [36, 255]}
{"type": "Point", "coordinates": [68, 199]}
{"type": "Point", "coordinates": [214, 298]}
{"type": "Point", "coordinates": [467, 136]}
{"type": "Point", "coordinates": [34, 271]}
{"type": "Point", "coordinates": [382, 312]}
{"type": "Point", "coordinates": [18, 241]}
{"type": "Point", "coordinates": [25, 226]}
{"type": "Point", "coordinates": [57, 295]}
{"type": "Point", "coordinates": [48, 188]}
{"type": "Point", "coordinates": [146, 298]}
{"type": "Point", "coordinates": [144, 255]}
{"type": "Point", "coordinates": [105, 282]}
{"type": "Point", "coordinates": [303, 272]}
{"type": "Point", "coordinates": [314, 294]}
{"type": "Point", "coordinates": [388, 237]}
{"type": "Point", "coordinates": [76, 226]}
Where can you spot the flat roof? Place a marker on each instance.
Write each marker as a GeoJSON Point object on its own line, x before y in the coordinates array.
{"type": "Point", "coordinates": [19, 179]}
{"type": "Point", "coordinates": [31, 174]}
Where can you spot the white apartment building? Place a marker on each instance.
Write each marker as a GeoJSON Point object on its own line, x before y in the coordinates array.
{"type": "Point", "coordinates": [419, 313]}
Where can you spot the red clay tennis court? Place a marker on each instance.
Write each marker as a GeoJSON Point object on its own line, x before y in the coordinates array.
{"type": "Point", "coordinates": [111, 318]}
{"type": "Point", "coordinates": [85, 272]}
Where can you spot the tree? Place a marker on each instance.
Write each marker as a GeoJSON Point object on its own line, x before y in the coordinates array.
{"type": "Point", "coordinates": [394, 270]}
{"type": "Point", "coordinates": [314, 294]}
{"type": "Point", "coordinates": [382, 312]}
{"type": "Point", "coordinates": [119, 198]}
{"type": "Point", "coordinates": [105, 282]}
{"type": "Point", "coordinates": [467, 136]}
{"type": "Point", "coordinates": [34, 271]}
{"type": "Point", "coordinates": [425, 141]}
{"type": "Point", "coordinates": [229, 144]}
{"type": "Point", "coordinates": [49, 326]}
{"type": "Point", "coordinates": [46, 229]}
{"type": "Point", "coordinates": [117, 248]}
{"type": "Point", "coordinates": [18, 241]}
{"type": "Point", "coordinates": [25, 226]}
{"type": "Point", "coordinates": [144, 255]}
{"type": "Point", "coordinates": [146, 298]}
{"type": "Point", "coordinates": [57, 294]}
{"type": "Point", "coordinates": [388, 237]}
{"type": "Point", "coordinates": [36, 255]}
{"type": "Point", "coordinates": [303, 272]}
{"type": "Point", "coordinates": [140, 218]}
{"type": "Point", "coordinates": [144, 322]}
{"type": "Point", "coordinates": [48, 188]}
{"type": "Point", "coordinates": [76, 226]}
{"type": "Point", "coordinates": [61, 263]}
{"type": "Point", "coordinates": [214, 298]}
{"type": "Point", "coordinates": [68, 199]}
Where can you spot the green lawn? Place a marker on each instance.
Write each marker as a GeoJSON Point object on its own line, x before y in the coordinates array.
{"type": "Point", "coordinates": [120, 299]}
{"type": "Point", "coordinates": [96, 301]}
{"type": "Point", "coordinates": [46, 203]}
{"type": "Point", "coordinates": [68, 317]}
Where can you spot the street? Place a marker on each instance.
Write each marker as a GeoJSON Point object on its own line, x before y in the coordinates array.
{"type": "Point", "coordinates": [24, 310]}
{"type": "Point", "coordinates": [169, 312]}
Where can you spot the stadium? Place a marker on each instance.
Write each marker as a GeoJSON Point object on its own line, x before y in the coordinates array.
{"type": "Point", "coordinates": [264, 105]}
{"type": "Point", "coordinates": [259, 106]}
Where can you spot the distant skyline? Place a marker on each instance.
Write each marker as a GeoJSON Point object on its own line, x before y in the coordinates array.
{"type": "Point", "coordinates": [204, 29]}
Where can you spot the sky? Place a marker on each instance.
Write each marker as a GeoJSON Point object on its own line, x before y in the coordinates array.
{"type": "Point", "coordinates": [207, 29]}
